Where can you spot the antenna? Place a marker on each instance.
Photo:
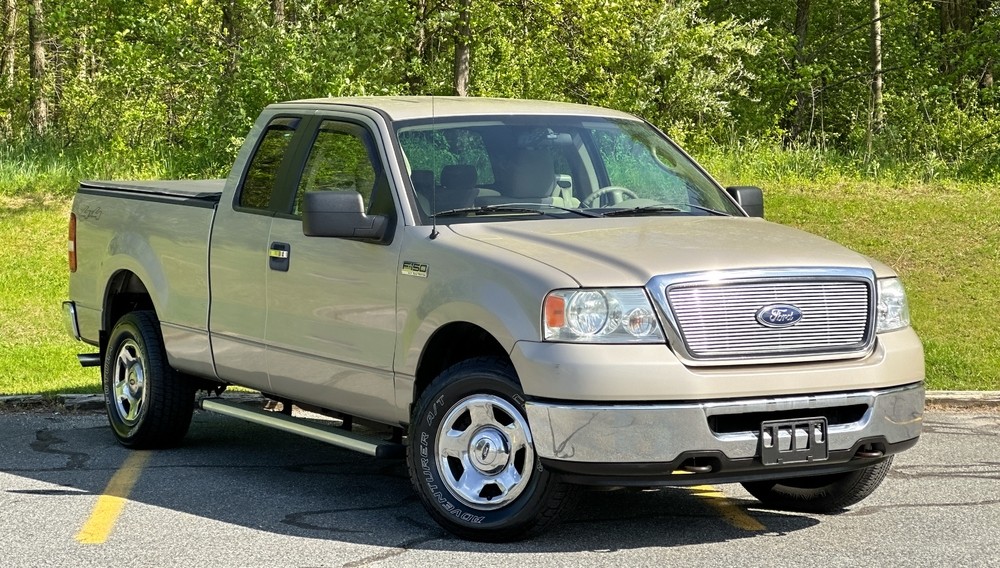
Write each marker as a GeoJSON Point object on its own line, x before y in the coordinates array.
{"type": "Point", "coordinates": [434, 165]}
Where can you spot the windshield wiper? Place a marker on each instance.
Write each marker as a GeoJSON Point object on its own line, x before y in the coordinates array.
{"type": "Point", "coordinates": [648, 209]}
{"type": "Point", "coordinates": [710, 210]}
{"type": "Point", "coordinates": [653, 209]}
{"type": "Point", "coordinates": [501, 208]}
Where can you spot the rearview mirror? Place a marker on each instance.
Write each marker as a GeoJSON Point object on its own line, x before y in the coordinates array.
{"type": "Point", "coordinates": [750, 198]}
{"type": "Point", "coordinates": [340, 214]}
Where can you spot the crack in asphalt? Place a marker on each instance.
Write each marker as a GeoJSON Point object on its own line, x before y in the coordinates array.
{"type": "Point", "coordinates": [867, 510]}
{"type": "Point", "coordinates": [297, 519]}
{"type": "Point", "coordinates": [49, 492]}
{"type": "Point", "coordinates": [403, 547]}
{"type": "Point", "coordinates": [989, 430]}
{"type": "Point", "coordinates": [989, 471]}
{"type": "Point", "coordinates": [44, 442]}
{"type": "Point", "coordinates": [432, 532]}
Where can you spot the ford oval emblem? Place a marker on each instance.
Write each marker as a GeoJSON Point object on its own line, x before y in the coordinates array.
{"type": "Point", "coordinates": [779, 315]}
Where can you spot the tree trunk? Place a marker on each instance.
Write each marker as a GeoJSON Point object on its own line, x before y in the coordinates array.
{"type": "Point", "coordinates": [36, 60]}
{"type": "Point", "coordinates": [8, 35]}
{"type": "Point", "coordinates": [803, 97]}
{"type": "Point", "coordinates": [876, 118]}
{"type": "Point", "coordinates": [986, 77]}
{"type": "Point", "coordinates": [278, 13]}
{"type": "Point", "coordinates": [416, 53]}
{"type": "Point", "coordinates": [463, 39]}
{"type": "Point", "coordinates": [230, 34]}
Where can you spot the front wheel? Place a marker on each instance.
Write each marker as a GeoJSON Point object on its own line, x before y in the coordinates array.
{"type": "Point", "coordinates": [822, 493]}
{"type": "Point", "coordinates": [149, 404]}
{"type": "Point", "coordinates": [472, 460]}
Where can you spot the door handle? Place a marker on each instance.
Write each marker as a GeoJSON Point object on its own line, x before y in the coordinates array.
{"type": "Point", "coordinates": [279, 255]}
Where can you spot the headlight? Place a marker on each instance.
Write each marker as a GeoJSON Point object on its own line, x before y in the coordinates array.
{"type": "Point", "coordinates": [613, 315]}
{"type": "Point", "coordinates": [893, 310]}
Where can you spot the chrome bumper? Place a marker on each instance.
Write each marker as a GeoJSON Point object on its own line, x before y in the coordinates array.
{"type": "Point", "coordinates": [659, 433]}
{"type": "Point", "coordinates": [70, 319]}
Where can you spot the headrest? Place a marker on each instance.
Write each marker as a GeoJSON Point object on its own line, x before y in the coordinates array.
{"type": "Point", "coordinates": [458, 176]}
{"type": "Point", "coordinates": [534, 174]}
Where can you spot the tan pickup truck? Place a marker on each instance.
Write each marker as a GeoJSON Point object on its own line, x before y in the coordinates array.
{"type": "Point", "coordinates": [527, 297]}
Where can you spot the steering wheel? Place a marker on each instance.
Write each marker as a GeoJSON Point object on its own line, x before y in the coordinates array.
{"type": "Point", "coordinates": [617, 190]}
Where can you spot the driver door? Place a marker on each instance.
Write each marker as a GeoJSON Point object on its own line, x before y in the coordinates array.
{"type": "Point", "coordinates": [331, 324]}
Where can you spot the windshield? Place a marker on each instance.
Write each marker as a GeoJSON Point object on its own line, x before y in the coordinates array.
{"type": "Point", "coordinates": [485, 169]}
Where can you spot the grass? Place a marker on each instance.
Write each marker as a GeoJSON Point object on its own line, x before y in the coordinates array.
{"type": "Point", "coordinates": [36, 353]}
{"type": "Point", "coordinates": [941, 236]}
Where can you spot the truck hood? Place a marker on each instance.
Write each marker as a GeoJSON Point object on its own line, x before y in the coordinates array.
{"type": "Point", "coordinates": [629, 251]}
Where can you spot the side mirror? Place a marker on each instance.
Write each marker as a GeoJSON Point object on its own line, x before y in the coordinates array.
{"type": "Point", "coordinates": [750, 198]}
{"type": "Point", "coordinates": [340, 214]}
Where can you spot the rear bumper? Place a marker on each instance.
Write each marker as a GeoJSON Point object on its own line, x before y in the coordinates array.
{"type": "Point", "coordinates": [651, 440]}
{"type": "Point", "coordinates": [70, 319]}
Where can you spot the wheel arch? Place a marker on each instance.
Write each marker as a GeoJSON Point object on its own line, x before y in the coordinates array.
{"type": "Point", "coordinates": [125, 292]}
{"type": "Point", "coordinates": [450, 344]}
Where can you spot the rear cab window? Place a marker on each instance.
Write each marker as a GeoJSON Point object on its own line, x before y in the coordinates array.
{"type": "Point", "coordinates": [261, 186]}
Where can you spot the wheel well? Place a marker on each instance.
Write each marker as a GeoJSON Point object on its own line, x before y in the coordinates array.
{"type": "Point", "coordinates": [125, 293]}
{"type": "Point", "coordinates": [451, 344]}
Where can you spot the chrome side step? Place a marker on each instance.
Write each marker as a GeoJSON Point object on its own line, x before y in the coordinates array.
{"type": "Point", "coordinates": [369, 445]}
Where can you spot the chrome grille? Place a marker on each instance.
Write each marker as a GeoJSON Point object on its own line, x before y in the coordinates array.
{"type": "Point", "coordinates": [719, 321]}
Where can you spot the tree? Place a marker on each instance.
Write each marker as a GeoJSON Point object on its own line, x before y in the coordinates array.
{"type": "Point", "coordinates": [463, 41]}
{"type": "Point", "coordinates": [278, 12]}
{"type": "Point", "coordinates": [876, 117]}
{"type": "Point", "coordinates": [804, 94]}
{"type": "Point", "coordinates": [8, 37]}
{"type": "Point", "coordinates": [36, 37]}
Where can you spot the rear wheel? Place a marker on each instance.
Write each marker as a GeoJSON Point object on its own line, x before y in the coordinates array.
{"type": "Point", "coordinates": [149, 404]}
{"type": "Point", "coordinates": [822, 493]}
{"type": "Point", "coordinates": [472, 460]}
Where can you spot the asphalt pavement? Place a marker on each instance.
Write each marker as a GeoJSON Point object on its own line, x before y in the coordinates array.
{"type": "Point", "coordinates": [240, 495]}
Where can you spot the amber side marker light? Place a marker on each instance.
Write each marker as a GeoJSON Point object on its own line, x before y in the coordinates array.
{"type": "Point", "coordinates": [555, 311]}
{"type": "Point", "coordinates": [72, 242]}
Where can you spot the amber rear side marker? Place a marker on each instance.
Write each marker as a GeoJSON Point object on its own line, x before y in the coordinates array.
{"type": "Point", "coordinates": [731, 512]}
{"type": "Point", "coordinates": [110, 504]}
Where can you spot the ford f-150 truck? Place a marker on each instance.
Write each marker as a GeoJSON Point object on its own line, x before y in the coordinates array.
{"type": "Point", "coordinates": [527, 296]}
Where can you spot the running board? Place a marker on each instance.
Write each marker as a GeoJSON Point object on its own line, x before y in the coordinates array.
{"type": "Point", "coordinates": [89, 359]}
{"type": "Point", "coordinates": [369, 445]}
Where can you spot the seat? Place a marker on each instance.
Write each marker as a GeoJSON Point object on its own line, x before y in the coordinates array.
{"type": "Point", "coordinates": [458, 187]}
{"type": "Point", "coordinates": [533, 179]}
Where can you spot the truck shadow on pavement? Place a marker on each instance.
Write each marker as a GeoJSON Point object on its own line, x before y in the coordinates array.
{"type": "Point", "coordinates": [231, 472]}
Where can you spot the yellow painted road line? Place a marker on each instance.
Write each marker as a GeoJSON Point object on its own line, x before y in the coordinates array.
{"type": "Point", "coordinates": [732, 513]}
{"type": "Point", "coordinates": [110, 505]}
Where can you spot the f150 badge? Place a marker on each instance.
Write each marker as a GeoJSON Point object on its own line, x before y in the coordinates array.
{"type": "Point", "coordinates": [779, 315]}
{"type": "Point", "coordinates": [411, 268]}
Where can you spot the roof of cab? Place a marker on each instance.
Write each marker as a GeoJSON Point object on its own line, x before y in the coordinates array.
{"type": "Point", "coordinates": [405, 108]}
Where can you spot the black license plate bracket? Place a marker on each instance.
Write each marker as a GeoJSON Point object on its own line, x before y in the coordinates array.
{"type": "Point", "coordinates": [801, 440]}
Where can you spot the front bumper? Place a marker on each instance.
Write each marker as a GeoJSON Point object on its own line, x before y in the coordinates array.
{"type": "Point", "coordinates": [650, 440]}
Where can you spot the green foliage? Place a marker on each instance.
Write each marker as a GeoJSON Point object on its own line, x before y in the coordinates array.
{"type": "Point", "coordinates": [176, 83]}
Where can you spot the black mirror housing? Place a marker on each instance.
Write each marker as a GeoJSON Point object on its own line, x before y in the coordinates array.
{"type": "Point", "coordinates": [340, 214]}
{"type": "Point", "coordinates": [750, 198]}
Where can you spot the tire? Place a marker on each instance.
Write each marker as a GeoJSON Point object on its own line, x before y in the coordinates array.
{"type": "Point", "coordinates": [471, 458]}
{"type": "Point", "coordinates": [149, 404]}
{"type": "Point", "coordinates": [823, 493]}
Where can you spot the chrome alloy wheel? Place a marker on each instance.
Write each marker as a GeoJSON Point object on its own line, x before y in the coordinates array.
{"type": "Point", "coordinates": [128, 382]}
{"type": "Point", "coordinates": [485, 451]}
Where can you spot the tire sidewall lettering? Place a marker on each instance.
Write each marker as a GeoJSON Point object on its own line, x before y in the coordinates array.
{"type": "Point", "coordinates": [428, 468]}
